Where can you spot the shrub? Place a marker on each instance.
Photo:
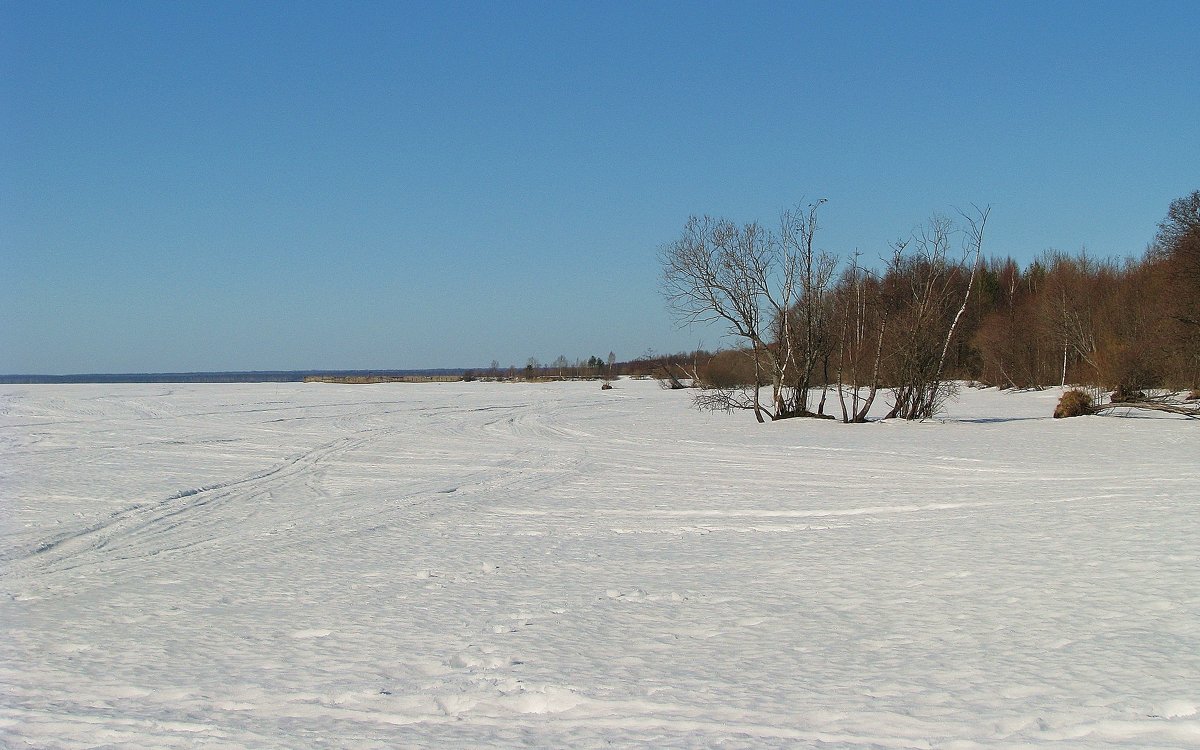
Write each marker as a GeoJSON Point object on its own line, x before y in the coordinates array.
{"type": "Point", "coordinates": [1074, 403]}
{"type": "Point", "coordinates": [1126, 395]}
{"type": "Point", "coordinates": [1126, 368]}
{"type": "Point", "coordinates": [732, 368]}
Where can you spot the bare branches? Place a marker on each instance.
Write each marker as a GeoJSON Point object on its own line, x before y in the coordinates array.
{"type": "Point", "coordinates": [725, 399]}
{"type": "Point", "coordinates": [938, 310]}
{"type": "Point", "coordinates": [972, 246]}
{"type": "Point", "coordinates": [709, 274]}
{"type": "Point", "coordinates": [775, 291]}
{"type": "Point", "coordinates": [754, 281]}
{"type": "Point", "coordinates": [929, 296]}
{"type": "Point", "coordinates": [1191, 412]}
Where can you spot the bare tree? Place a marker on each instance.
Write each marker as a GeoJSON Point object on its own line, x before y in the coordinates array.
{"type": "Point", "coordinates": [560, 363]}
{"type": "Point", "coordinates": [609, 372]}
{"type": "Point", "coordinates": [719, 271]}
{"type": "Point", "coordinates": [666, 373]}
{"type": "Point", "coordinates": [929, 295]}
{"type": "Point", "coordinates": [753, 280]}
{"type": "Point", "coordinates": [1178, 250]}
{"type": "Point", "coordinates": [1181, 225]}
{"type": "Point", "coordinates": [803, 326]}
{"type": "Point", "coordinates": [972, 245]}
{"type": "Point", "coordinates": [1014, 347]}
{"type": "Point", "coordinates": [775, 293]}
{"type": "Point", "coordinates": [1076, 290]}
{"type": "Point", "coordinates": [862, 322]}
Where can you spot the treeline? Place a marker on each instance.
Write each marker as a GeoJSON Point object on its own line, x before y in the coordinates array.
{"type": "Point", "coordinates": [561, 368]}
{"type": "Point", "coordinates": [647, 366]}
{"type": "Point", "coordinates": [820, 335]}
{"type": "Point", "coordinates": [240, 376]}
{"type": "Point", "coordinates": [1074, 319]}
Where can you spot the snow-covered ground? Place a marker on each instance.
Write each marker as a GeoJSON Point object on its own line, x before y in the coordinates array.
{"type": "Point", "coordinates": [504, 565]}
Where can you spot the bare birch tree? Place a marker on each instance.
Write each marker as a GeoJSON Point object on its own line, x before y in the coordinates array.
{"type": "Point", "coordinates": [862, 323]}
{"type": "Point", "coordinates": [803, 323]}
{"type": "Point", "coordinates": [926, 288]}
{"type": "Point", "coordinates": [751, 280]}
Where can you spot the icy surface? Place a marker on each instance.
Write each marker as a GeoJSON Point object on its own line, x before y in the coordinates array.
{"type": "Point", "coordinates": [471, 565]}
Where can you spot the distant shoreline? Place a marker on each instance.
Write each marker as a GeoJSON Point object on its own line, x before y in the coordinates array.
{"type": "Point", "coordinates": [254, 376]}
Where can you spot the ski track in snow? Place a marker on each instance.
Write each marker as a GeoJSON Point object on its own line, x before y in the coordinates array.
{"type": "Point", "coordinates": [511, 565]}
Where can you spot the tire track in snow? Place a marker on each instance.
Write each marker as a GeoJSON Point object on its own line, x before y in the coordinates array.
{"type": "Point", "coordinates": [147, 529]}
{"type": "Point", "coordinates": [123, 529]}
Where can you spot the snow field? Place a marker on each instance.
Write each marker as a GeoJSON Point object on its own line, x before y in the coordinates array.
{"type": "Point", "coordinates": [507, 565]}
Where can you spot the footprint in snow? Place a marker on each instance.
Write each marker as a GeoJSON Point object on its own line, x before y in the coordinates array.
{"type": "Point", "coordinates": [480, 659]}
{"type": "Point", "coordinates": [1176, 709]}
{"type": "Point", "coordinates": [618, 594]}
{"type": "Point", "coordinates": [72, 648]}
{"type": "Point", "coordinates": [311, 633]}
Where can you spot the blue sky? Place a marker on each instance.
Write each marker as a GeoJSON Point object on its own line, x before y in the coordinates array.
{"type": "Point", "coordinates": [286, 185]}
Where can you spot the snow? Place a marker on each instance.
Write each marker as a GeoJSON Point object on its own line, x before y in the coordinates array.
{"type": "Point", "coordinates": [552, 565]}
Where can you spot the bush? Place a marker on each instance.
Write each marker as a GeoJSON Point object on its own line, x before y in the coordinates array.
{"type": "Point", "coordinates": [1125, 395]}
{"type": "Point", "coordinates": [1127, 369]}
{"type": "Point", "coordinates": [1074, 403]}
{"type": "Point", "coordinates": [732, 368]}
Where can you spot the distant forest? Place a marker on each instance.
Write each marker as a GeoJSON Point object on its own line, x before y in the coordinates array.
{"type": "Point", "coordinates": [811, 326]}
{"type": "Point", "coordinates": [257, 376]}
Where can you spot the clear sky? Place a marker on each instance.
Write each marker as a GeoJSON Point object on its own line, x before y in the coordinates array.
{"type": "Point", "coordinates": [291, 185]}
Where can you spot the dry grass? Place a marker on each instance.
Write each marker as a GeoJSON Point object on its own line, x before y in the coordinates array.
{"type": "Point", "coordinates": [1074, 403]}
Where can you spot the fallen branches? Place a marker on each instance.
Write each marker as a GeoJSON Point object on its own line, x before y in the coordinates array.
{"type": "Point", "coordinates": [1151, 404]}
{"type": "Point", "coordinates": [1078, 402]}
